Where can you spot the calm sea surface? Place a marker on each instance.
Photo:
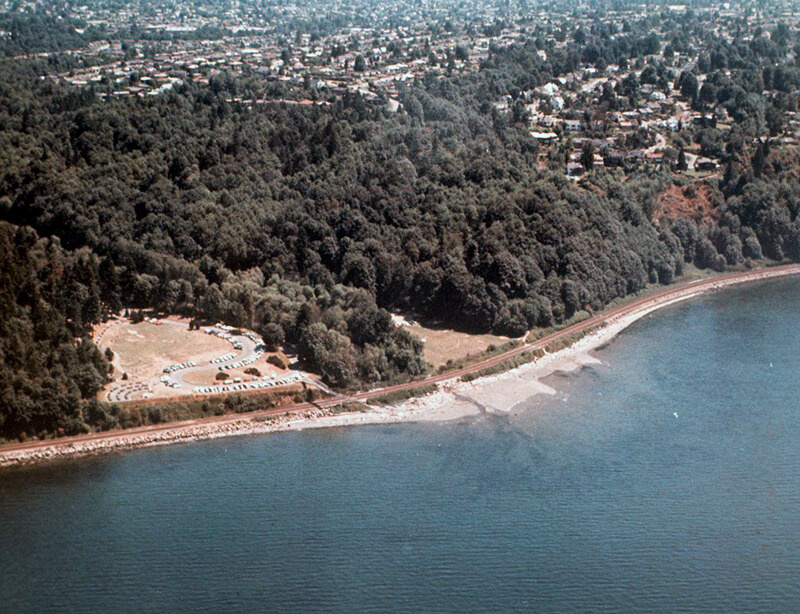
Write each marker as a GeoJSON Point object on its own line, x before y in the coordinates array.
{"type": "Point", "coordinates": [666, 479]}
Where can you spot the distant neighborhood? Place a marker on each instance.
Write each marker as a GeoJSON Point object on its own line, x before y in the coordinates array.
{"type": "Point", "coordinates": [595, 116]}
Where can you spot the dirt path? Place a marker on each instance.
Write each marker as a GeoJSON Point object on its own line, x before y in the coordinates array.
{"type": "Point", "coordinates": [17, 453]}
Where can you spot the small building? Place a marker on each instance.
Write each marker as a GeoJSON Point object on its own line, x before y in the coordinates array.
{"type": "Point", "coordinates": [543, 136]}
{"type": "Point", "coordinates": [637, 156]}
{"type": "Point", "coordinates": [613, 158]}
{"type": "Point", "coordinates": [705, 164]}
{"type": "Point", "coordinates": [705, 121]}
{"type": "Point", "coordinates": [574, 169]}
{"type": "Point", "coordinates": [551, 89]}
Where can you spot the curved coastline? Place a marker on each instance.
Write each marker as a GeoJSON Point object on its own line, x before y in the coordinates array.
{"type": "Point", "coordinates": [452, 400]}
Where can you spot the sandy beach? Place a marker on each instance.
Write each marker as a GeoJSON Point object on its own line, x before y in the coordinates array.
{"type": "Point", "coordinates": [454, 398]}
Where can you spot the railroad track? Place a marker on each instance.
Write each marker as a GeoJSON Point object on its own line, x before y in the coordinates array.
{"type": "Point", "coordinates": [650, 301]}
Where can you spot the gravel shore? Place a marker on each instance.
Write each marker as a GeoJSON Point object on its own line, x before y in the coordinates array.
{"type": "Point", "coordinates": [454, 399]}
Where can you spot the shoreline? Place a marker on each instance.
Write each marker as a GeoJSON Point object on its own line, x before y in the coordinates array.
{"type": "Point", "coordinates": [454, 399]}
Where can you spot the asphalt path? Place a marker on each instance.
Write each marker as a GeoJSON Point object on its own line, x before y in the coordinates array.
{"type": "Point", "coordinates": [248, 350]}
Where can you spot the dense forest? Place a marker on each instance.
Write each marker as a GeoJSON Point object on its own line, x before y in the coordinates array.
{"type": "Point", "coordinates": [308, 223]}
{"type": "Point", "coordinates": [42, 31]}
{"type": "Point", "coordinates": [205, 204]}
{"type": "Point", "coordinates": [50, 371]}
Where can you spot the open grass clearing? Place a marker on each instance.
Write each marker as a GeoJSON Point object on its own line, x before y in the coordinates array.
{"type": "Point", "coordinates": [442, 344]}
{"type": "Point", "coordinates": [143, 350]}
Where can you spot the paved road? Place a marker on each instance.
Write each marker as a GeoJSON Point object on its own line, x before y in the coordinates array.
{"type": "Point", "coordinates": [654, 300]}
{"type": "Point", "coordinates": [247, 352]}
{"type": "Point", "coordinates": [659, 145]}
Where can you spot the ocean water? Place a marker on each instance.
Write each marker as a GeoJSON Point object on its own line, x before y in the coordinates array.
{"type": "Point", "coordinates": [666, 479]}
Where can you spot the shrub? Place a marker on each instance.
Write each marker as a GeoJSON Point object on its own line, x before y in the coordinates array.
{"type": "Point", "coordinates": [398, 396]}
{"type": "Point", "coordinates": [275, 360]}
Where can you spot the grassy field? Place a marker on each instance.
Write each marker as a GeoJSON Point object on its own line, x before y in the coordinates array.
{"type": "Point", "coordinates": [143, 350]}
{"type": "Point", "coordinates": [443, 344]}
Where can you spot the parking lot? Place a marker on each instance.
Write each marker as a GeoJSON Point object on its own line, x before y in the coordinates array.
{"type": "Point", "coordinates": [163, 358]}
